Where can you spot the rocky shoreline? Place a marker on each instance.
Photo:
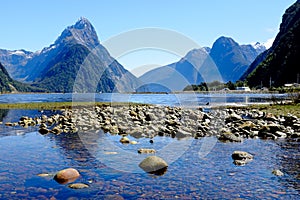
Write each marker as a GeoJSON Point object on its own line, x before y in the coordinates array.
{"type": "Point", "coordinates": [148, 121]}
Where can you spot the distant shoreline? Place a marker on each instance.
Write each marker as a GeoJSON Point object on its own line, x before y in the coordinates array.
{"type": "Point", "coordinates": [174, 92]}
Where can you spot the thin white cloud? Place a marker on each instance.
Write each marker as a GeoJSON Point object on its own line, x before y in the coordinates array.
{"type": "Point", "coordinates": [271, 30]}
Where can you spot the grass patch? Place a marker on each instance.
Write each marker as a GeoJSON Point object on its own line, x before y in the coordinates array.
{"type": "Point", "coordinates": [284, 109]}
{"type": "Point", "coordinates": [276, 109]}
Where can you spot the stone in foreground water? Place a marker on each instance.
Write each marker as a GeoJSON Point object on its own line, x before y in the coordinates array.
{"type": "Point", "coordinates": [66, 175]}
{"type": "Point", "coordinates": [154, 165]}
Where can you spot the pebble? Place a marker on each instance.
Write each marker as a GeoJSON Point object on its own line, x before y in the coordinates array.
{"type": "Point", "coordinates": [78, 186]}
{"type": "Point", "coordinates": [277, 172]}
{"type": "Point", "coordinates": [146, 151]}
{"type": "Point", "coordinates": [45, 175]}
{"type": "Point", "coordinates": [124, 140]}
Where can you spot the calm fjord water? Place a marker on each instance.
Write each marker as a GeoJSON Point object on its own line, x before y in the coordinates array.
{"type": "Point", "coordinates": [24, 153]}
{"type": "Point", "coordinates": [158, 99]}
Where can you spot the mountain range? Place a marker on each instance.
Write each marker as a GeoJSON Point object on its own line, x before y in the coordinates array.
{"type": "Point", "coordinates": [75, 61]}
{"type": "Point", "coordinates": [225, 61]}
{"type": "Point", "coordinates": [279, 64]}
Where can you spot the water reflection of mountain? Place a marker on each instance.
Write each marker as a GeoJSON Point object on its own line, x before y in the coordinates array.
{"type": "Point", "coordinates": [3, 113]}
{"type": "Point", "coordinates": [78, 150]}
{"type": "Point", "coordinates": [289, 161]}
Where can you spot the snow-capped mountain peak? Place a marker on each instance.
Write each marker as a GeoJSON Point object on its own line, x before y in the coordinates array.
{"type": "Point", "coordinates": [259, 47]}
{"type": "Point", "coordinates": [81, 32]}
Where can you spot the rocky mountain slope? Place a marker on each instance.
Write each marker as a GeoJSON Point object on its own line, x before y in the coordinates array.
{"type": "Point", "coordinates": [231, 58]}
{"type": "Point", "coordinates": [7, 84]}
{"type": "Point", "coordinates": [13, 60]}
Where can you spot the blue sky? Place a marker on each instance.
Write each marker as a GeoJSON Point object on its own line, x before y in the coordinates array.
{"type": "Point", "coordinates": [34, 24]}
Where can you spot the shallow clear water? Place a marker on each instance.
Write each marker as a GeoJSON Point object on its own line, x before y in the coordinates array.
{"type": "Point", "coordinates": [198, 169]}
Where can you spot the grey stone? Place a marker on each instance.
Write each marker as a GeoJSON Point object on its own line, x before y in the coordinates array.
{"type": "Point", "coordinates": [78, 185]}
{"type": "Point", "coordinates": [228, 136]}
{"type": "Point", "coordinates": [153, 164]}
{"type": "Point", "coordinates": [241, 157]}
{"type": "Point", "coordinates": [277, 172]}
{"type": "Point", "coordinates": [146, 151]}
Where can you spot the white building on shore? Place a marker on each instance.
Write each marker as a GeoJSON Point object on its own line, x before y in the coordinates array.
{"type": "Point", "coordinates": [247, 89]}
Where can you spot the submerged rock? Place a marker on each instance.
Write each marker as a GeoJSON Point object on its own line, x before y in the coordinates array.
{"type": "Point", "coordinates": [241, 157]}
{"type": "Point", "coordinates": [277, 172]}
{"type": "Point", "coordinates": [45, 175]}
{"type": "Point", "coordinates": [146, 151]}
{"type": "Point", "coordinates": [154, 165]}
{"type": "Point", "coordinates": [66, 175]}
{"type": "Point", "coordinates": [78, 186]}
{"type": "Point", "coordinates": [124, 140]}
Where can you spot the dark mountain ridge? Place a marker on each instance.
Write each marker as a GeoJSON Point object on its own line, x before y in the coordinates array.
{"type": "Point", "coordinates": [7, 84]}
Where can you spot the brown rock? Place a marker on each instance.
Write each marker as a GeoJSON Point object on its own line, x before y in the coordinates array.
{"type": "Point", "coordinates": [66, 175]}
{"type": "Point", "coordinates": [146, 151]}
{"type": "Point", "coordinates": [124, 140]}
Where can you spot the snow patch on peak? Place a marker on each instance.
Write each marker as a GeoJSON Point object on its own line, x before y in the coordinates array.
{"type": "Point", "coordinates": [18, 52]}
{"type": "Point", "coordinates": [266, 45]}
{"type": "Point", "coordinates": [269, 43]}
{"type": "Point", "coordinates": [23, 53]}
{"type": "Point", "coordinates": [47, 49]}
{"type": "Point", "coordinates": [257, 45]}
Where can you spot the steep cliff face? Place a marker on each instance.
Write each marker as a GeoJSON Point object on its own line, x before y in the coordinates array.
{"type": "Point", "coordinates": [14, 59]}
{"type": "Point", "coordinates": [7, 84]}
{"type": "Point", "coordinates": [281, 62]}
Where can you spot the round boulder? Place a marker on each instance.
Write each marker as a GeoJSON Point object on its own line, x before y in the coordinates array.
{"type": "Point", "coordinates": [154, 165]}
{"type": "Point", "coordinates": [66, 175]}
